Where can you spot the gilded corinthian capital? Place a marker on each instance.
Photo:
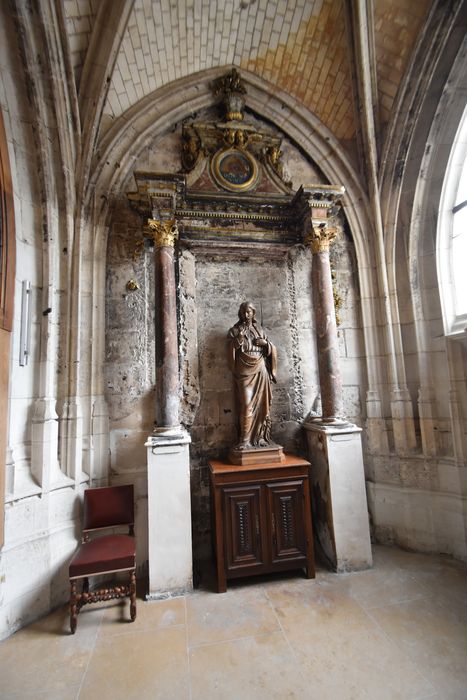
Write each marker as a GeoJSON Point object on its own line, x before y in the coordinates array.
{"type": "Point", "coordinates": [320, 237]}
{"type": "Point", "coordinates": [164, 233]}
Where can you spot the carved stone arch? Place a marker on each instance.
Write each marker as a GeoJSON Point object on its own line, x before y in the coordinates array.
{"type": "Point", "coordinates": [428, 215]}
{"type": "Point", "coordinates": [413, 215]}
{"type": "Point", "coordinates": [138, 127]}
{"type": "Point", "coordinates": [408, 151]}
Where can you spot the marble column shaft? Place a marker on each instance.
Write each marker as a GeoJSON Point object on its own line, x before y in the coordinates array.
{"type": "Point", "coordinates": [326, 334]}
{"type": "Point", "coordinates": [167, 367]}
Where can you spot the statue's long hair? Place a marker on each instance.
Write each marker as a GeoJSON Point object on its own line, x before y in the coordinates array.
{"type": "Point", "coordinates": [242, 310]}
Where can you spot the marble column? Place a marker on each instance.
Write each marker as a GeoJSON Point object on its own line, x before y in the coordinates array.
{"type": "Point", "coordinates": [167, 368]}
{"type": "Point", "coordinates": [325, 319]}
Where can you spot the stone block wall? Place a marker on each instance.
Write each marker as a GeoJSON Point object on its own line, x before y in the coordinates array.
{"type": "Point", "coordinates": [42, 506]}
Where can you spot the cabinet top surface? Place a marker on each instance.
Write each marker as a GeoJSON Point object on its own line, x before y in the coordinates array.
{"type": "Point", "coordinates": [218, 467]}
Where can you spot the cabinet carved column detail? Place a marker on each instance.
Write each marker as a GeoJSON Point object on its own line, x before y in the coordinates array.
{"type": "Point", "coordinates": [287, 521]}
{"type": "Point", "coordinates": [245, 543]}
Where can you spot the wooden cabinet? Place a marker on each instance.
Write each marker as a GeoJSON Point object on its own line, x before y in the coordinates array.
{"type": "Point", "coordinates": [261, 518]}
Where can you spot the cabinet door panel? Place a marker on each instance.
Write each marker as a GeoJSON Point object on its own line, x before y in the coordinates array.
{"type": "Point", "coordinates": [243, 527]}
{"type": "Point", "coordinates": [286, 508]}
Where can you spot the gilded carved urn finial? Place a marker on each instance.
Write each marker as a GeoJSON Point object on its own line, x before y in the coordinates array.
{"type": "Point", "coordinates": [232, 89]}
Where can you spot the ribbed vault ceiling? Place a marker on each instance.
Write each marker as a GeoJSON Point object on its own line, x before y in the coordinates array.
{"type": "Point", "coordinates": [302, 47]}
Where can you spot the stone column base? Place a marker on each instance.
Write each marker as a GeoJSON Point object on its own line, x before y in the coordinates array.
{"type": "Point", "coordinates": [169, 516]}
{"type": "Point", "coordinates": [338, 495]}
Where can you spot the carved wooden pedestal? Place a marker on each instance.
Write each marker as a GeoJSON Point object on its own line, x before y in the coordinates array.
{"type": "Point", "coordinates": [261, 518]}
{"type": "Point", "coordinates": [257, 455]}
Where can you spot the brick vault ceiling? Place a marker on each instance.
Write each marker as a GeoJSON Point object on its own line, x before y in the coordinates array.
{"type": "Point", "coordinates": [300, 46]}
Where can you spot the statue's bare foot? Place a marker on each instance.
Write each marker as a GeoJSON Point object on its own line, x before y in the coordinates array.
{"type": "Point", "coordinates": [263, 443]}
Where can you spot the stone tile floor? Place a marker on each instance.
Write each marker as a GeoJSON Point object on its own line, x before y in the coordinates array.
{"type": "Point", "coordinates": [397, 631]}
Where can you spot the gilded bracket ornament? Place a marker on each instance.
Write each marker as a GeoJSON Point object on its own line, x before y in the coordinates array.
{"type": "Point", "coordinates": [191, 148]}
{"type": "Point", "coordinates": [132, 285]}
{"type": "Point", "coordinates": [274, 157]}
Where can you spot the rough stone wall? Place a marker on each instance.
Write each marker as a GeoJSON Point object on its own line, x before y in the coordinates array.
{"type": "Point", "coordinates": [130, 354]}
{"type": "Point", "coordinates": [349, 329]}
{"type": "Point", "coordinates": [221, 285]}
{"type": "Point", "coordinates": [40, 521]}
{"type": "Point", "coordinates": [211, 286]}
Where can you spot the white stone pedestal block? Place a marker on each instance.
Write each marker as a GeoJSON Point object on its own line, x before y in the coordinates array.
{"type": "Point", "coordinates": [339, 495]}
{"type": "Point", "coordinates": [169, 516]}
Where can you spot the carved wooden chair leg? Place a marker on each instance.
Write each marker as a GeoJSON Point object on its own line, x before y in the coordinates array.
{"type": "Point", "coordinates": [73, 607]}
{"type": "Point", "coordinates": [85, 585]}
{"type": "Point", "coordinates": [133, 595]}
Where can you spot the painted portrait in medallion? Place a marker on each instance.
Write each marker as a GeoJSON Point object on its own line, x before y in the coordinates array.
{"type": "Point", "coordinates": [235, 169]}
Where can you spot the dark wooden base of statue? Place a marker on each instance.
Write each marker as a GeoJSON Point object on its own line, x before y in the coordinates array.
{"type": "Point", "coordinates": [271, 454]}
{"type": "Point", "coordinates": [261, 518]}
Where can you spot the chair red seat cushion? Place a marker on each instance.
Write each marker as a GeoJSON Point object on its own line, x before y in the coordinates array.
{"type": "Point", "coordinates": [107, 553]}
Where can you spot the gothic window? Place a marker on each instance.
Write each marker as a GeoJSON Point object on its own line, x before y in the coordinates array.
{"type": "Point", "coordinates": [452, 237]}
{"type": "Point", "coordinates": [459, 244]}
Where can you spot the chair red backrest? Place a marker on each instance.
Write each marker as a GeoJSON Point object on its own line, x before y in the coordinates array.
{"type": "Point", "coordinates": [108, 506]}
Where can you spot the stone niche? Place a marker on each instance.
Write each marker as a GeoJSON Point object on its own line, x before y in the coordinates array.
{"type": "Point", "coordinates": [219, 264]}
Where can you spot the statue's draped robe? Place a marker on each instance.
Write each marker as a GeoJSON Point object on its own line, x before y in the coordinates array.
{"type": "Point", "coordinates": [253, 368]}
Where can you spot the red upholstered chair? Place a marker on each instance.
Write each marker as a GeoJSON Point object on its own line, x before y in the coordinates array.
{"type": "Point", "coordinates": [108, 507]}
